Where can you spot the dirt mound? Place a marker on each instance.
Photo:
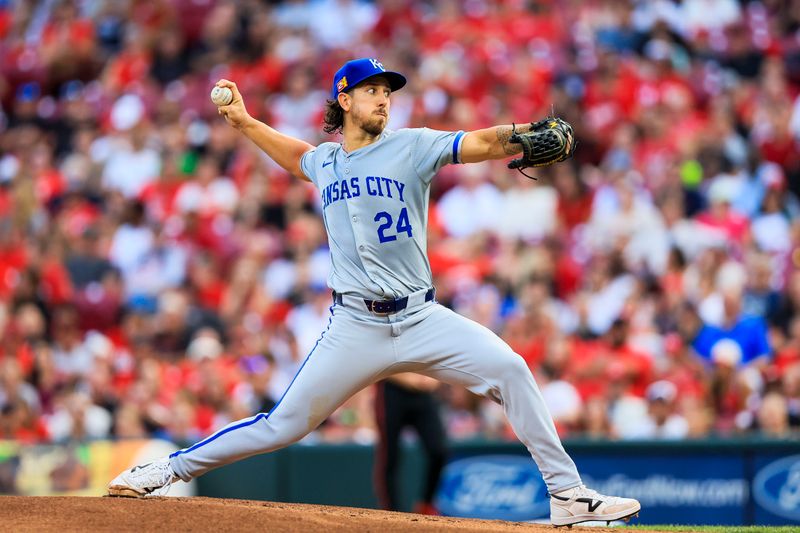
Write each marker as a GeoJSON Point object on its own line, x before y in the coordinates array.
{"type": "Point", "coordinates": [65, 514]}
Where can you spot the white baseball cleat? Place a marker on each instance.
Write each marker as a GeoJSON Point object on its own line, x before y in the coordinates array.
{"type": "Point", "coordinates": [580, 504]}
{"type": "Point", "coordinates": [151, 478]}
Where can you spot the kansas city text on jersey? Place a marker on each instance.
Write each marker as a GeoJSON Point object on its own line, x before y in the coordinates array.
{"type": "Point", "coordinates": [351, 188]}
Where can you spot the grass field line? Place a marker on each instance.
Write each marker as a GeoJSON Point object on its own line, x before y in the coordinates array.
{"type": "Point", "coordinates": [716, 529]}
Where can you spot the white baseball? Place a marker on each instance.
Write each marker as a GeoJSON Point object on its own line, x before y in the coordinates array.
{"type": "Point", "coordinates": [221, 95]}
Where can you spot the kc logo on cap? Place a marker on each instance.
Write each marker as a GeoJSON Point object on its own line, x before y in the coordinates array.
{"type": "Point", "coordinates": [354, 72]}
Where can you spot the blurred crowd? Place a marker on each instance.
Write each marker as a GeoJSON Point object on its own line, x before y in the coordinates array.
{"type": "Point", "coordinates": [160, 277]}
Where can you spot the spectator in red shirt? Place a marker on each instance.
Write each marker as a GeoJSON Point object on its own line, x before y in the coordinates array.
{"type": "Point", "coordinates": [574, 198]}
{"type": "Point", "coordinates": [18, 422]}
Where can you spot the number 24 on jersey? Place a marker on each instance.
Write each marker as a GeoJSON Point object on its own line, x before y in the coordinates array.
{"type": "Point", "coordinates": [386, 220]}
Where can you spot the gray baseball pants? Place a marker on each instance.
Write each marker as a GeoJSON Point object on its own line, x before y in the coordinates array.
{"type": "Point", "coordinates": [359, 348]}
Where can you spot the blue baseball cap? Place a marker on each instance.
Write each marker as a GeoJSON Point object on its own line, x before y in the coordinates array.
{"type": "Point", "coordinates": [354, 72]}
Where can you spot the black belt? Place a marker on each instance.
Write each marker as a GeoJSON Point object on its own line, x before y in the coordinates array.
{"type": "Point", "coordinates": [386, 307]}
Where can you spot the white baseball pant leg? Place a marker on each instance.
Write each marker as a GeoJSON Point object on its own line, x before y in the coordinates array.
{"type": "Point", "coordinates": [457, 350]}
{"type": "Point", "coordinates": [350, 355]}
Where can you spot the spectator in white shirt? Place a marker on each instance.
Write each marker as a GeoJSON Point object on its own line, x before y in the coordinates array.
{"type": "Point", "coordinates": [473, 205]}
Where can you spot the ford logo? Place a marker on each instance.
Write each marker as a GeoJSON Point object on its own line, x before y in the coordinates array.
{"type": "Point", "coordinates": [776, 487]}
{"type": "Point", "coordinates": [494, 487]}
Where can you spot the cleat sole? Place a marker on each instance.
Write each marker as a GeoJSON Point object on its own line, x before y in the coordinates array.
{"type": "Point", "coordinates": [124, 492]}
{"type": "Point", "coordinates": [584, 518]}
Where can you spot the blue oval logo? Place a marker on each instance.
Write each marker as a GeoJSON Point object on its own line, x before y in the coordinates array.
{"type": "Point", "coordinates": [776, 487]}
{"type": "Point", "coordinates": [493, 487]}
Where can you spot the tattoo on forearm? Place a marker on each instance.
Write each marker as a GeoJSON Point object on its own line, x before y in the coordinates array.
{"type": "Point", "coordinates": [504, 134]}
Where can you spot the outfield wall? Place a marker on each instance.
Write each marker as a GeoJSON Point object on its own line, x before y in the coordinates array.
{"type": "Point", "coordinates": [734, 482]}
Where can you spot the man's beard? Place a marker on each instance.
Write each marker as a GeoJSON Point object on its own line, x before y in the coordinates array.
{"type": "Point", "coordinates": [371, 124]}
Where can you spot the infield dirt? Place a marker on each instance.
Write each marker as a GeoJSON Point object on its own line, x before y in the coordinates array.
{"type": "Point", "coordinates": [67, 514]}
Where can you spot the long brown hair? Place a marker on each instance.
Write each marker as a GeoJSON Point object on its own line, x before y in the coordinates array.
{"type": "Point", "coordinates": [334, 117]}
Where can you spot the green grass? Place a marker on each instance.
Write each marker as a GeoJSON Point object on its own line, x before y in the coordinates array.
{"type": "Point", "coordinates": [718, 529]}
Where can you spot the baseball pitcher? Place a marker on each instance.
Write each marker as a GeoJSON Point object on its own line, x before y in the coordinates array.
{"type": "Point", "coordinates": [384, 318]}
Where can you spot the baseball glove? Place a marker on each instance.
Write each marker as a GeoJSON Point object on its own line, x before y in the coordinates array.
{"type": "Point", "coordinates": [549, 141]}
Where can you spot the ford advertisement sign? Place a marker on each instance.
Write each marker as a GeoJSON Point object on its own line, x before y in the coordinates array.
{"type": "Point", "coordinates": [709, 486]}
{"type": "Point", "coordinates": [776, 490]}
{"type": "Point", "coordinates": [503, 487]}
{"type": "Point", "coordinates": [710, 490]}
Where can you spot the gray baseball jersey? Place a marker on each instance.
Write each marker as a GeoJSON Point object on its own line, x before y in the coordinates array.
{"type": "Point", "coordinates": [375, 207]}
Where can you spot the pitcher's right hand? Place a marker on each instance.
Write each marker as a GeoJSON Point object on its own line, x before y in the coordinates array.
{"type": "Point", "coordinates": [235, 113]}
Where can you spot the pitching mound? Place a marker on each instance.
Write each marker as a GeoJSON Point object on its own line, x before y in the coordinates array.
{"type": "Point", "coordinates": [64, 514]}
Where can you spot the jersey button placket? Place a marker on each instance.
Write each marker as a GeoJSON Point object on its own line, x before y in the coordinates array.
{"type": "Point", "coordinates": [358, 232]}
{"type": "Point", "coordinates": [357, 215]}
